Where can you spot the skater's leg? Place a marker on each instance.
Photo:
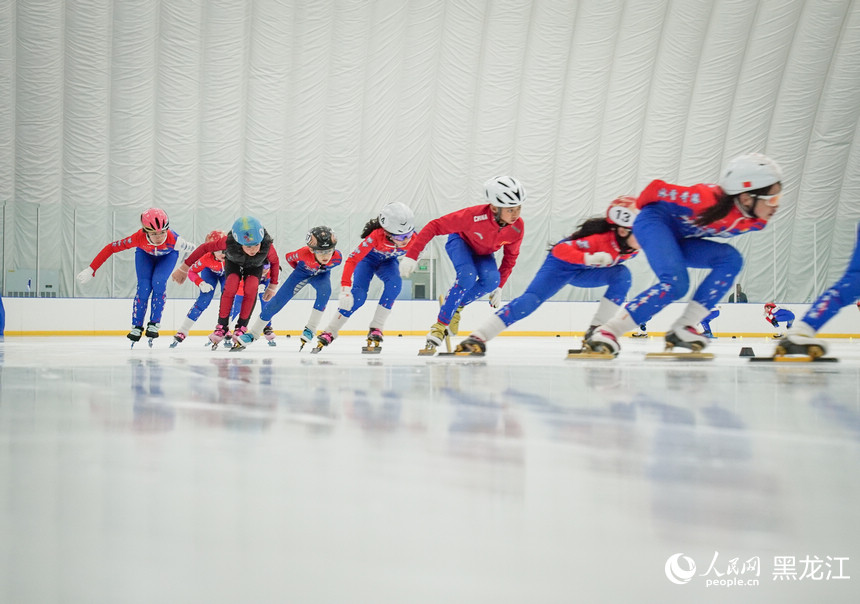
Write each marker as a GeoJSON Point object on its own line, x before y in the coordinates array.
{"type": "Point", "coordinates": [144, 265]}
{"type": "Point", "coordinates": [361, 277]}
{"type": "Point", "coordinates": [251, 283]}
{"type": "Point", "coordinates": [463, 258]}
{"type": "Point", "coordinates": [842, 293]}
{"type": "Point", "coordinates": [389, 274]}
{"type": "Point", "coordinates": [162, 269]}
{"type": "Point", "coordinates": [488, 279]}
{"type": "Point", "coordinates": [287, 290]}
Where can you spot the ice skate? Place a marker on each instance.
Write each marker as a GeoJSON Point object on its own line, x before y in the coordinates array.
{"type": "Point", "coordinates": [686, 337]}
{"type": "Point", "coordinates": [437, 334]}
{"type": "Point", "coordinates": [134, 334]}
{"type": "Point", "coordinates": [151, 332]}
{"type": "Point", "coordinates": [306, 336]}
{"type": "Point", "coordinates": [323, 340]}
{"type": "Point", "coordinates": [585, 352]}
{"type": "Point", "coordinates": [269, 334]}
{"type": "Point", "coordinates": [217, 336]}
{"type": "Point", "coordinates": [228, 340]}
{"type": "Point", "coordinates": [588, 340]}
{"type": "Point", "coordinates": [178, 339]}
{"type": "Point", "coordinates": [802, 345]}
{"type": "Point", "coordinates": [471, 346]}
{"type": "Point", "coordinates": [374, 341]}
{"type": "Point", "coordinates": [798, 346]}
{"type": "Point", "coordinates": [600, 343]}
{"type": "Point", "coordinates": [241, 338]}
{"type": "Point", "coordinates": [683, 338]}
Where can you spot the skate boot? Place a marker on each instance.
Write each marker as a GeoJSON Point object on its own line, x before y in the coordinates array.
{"type": "Point", "coordinates": [178, 339]}
{"type": "Point", "coordinates": [374, 339]}
{"type": "Point", "coordinates": [797, 343]}
{"type": "Point", "coordinates": [241, 338]}
{"type": "Point", "coordinates": [602, 341]}
{"type": "Point", "coordinates": [307, 336]}
{"type": "Point", "coordinates": [323, 340]}
{"type": "Point", "coordinates": [686, 337]}
{"type": "Point", "coordinates": [134, 334]}
{"type": "Point", "coordinates": [437, 334]}
{"type": "Point", "coordinates": [472, 345]}
{"type": "Point", "coordinates": [269, 333]}
{"type": "Point", "coordinates": [151, 332]}
{"type": "Point", "coordinates": [228, 339]}
{"type": "Point", "coordinates": [217, 336]}
{"type": "Point", "coordinates": [454, 325]}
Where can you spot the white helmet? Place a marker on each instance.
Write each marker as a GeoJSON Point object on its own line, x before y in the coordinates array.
{"type": "Point", "coordinates": [397, 218]}
{"type": "Point", "coordinates": [750, 172]}
{"type": "Point", "coordinates": [504, 192]}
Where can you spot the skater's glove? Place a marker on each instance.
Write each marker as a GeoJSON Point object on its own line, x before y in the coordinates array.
{"type": "Point", "coordinates": [180, 274]}
{"type": "Point", "coordinates": [205, 287]}
{"type": "Point", "coordinates": [85, 275]}
{"type": "Point", "coordinates": [270, 292]}
{"type": "Point", "coordinates": [598, 259]}
{"type": "Point", "coordinates": [407, 266]}
{"type": "Point", "coordinates": [496, 297]}
{"type": "Point", "coordinates": [345, 302]}
{"type": "Point", "coordinates": [774, 322]}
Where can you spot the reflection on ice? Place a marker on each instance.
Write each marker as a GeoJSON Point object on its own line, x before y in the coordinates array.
{"type": "Point", "coordinates": [501, 473]}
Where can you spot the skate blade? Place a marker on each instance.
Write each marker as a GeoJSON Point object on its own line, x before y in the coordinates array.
{"type": "Point", "coordinates": [371, 349]}
{"type": "Point", "coordinates": [174, 345]}
{"type": "Point", "coordinates": [149, 341]}
{"type": "Point", "coordinates": [272, 343]}
{"type": "Point", "coordinates": [589, 354]}
{"type": "Point", "coordinates": [426, 352]}
{"type": "Point", "coordinates": [795, 359]}
{"type": "Point", "coordinates": [462, 353]}
{"type": "Point", "coordinates": [689, 356]}
{"type": "Point", "coordinates": [315, 350]}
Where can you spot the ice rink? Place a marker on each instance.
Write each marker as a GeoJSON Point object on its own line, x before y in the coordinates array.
{"type": "Point", "coordinates": [273, 475]}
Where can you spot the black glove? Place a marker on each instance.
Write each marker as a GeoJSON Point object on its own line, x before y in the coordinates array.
{"type": "Point", "coordinates": [774, 322]}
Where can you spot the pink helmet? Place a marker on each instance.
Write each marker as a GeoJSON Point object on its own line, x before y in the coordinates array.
{"type": "Point", "coordinates": [153, 220]}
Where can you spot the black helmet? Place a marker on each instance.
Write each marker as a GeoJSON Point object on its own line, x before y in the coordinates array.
{"type": "Point", "coordinates": [321, 239]}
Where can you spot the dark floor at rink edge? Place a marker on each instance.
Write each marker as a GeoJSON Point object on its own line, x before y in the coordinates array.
{"type": "Point", "coordinates": [273, 475]}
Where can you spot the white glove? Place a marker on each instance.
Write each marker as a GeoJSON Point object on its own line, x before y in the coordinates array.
{"type": "Point", "coordinates": [407, 266]}
{"type": "Point", "coordinates": [205, 287]}
{"type": "Point", "coordinates": [261, 289]}
{"type": "Point", "coordinates": [346, 301]}
{"type": "Point", "coordinates": [85, 275]}
{"type": "Point", "coordinates": [598, 259]}
{"type": "Point", "coordinates": [496, 297]}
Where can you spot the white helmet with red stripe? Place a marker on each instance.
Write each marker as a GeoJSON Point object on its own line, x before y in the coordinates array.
{"type": "Point", "coordinates": [622, 211]}
{"type": "Point", "coordinates": [750, 172]}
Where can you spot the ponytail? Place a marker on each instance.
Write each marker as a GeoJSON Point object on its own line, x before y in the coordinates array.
{"type": "Point", "coordinates": [370, 226]}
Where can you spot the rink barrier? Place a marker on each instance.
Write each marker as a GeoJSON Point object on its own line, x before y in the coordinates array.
{"type": "Point", "coordinates": [109, 317]}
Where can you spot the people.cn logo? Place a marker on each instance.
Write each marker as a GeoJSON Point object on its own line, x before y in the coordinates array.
{"type": "Point", "coordinates": [680, 569]}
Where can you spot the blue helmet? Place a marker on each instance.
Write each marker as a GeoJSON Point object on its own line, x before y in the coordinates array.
{"type": "Point", "coordinates": [247, 230]}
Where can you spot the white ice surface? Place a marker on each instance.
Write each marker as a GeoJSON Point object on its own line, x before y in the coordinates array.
{"type": "Point", "coordinates": [273, 475]}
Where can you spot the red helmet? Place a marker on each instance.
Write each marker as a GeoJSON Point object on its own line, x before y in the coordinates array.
{"type": "Point", "coordinates": [154, 220]}
{"type": "Point", "coordinates": [622, 211]}
{"type": "Point", "coordinates": [215, 236]}
{"type": "Point", "coordinates": [769, 305]}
